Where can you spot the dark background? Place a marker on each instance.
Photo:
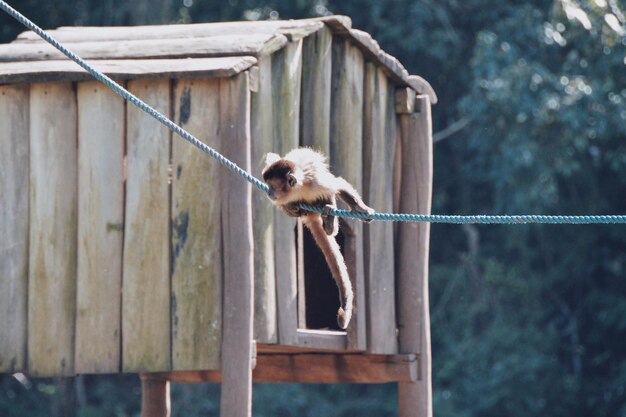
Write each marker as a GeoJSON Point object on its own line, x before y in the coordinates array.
{"type": "Point", "coordinates": [527, 320]}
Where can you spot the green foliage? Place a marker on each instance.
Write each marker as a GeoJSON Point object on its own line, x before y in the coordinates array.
{"type": "Point", "coordinates": [526, 320]}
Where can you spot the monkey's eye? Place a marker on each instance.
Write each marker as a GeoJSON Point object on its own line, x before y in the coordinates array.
{"type": "Point", "coordinates": [291, 180]}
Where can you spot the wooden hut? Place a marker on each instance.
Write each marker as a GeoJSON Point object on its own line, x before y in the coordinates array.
{"type": "Point", "coordinates": [125, 249]}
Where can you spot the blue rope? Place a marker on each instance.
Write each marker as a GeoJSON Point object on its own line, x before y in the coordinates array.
{"type": "Point", "coordinates": [504, 219]}
{"type": "Point", "coordinates": [602, 219]}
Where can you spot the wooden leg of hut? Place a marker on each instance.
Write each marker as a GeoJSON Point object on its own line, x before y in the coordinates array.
{"type": "Point", "coordinates": [412, 262]}
{"type": "Point", "coordinates": [155, 397]}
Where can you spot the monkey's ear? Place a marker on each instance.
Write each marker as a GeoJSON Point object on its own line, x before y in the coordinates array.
{"type": "Point", "coordinates": [271, 157]}
{"type": "Point", "coordinates": [292, 180]}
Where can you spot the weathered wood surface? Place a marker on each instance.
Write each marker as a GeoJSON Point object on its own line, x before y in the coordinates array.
{"type": "Point", "coordinates": [196, 264]}
{"type": "Point", "coordinates": [393, 68]}
{"type": "Point", "coordinates": [335, 369]}
{"type": "Point", "coordinates": [223, 45]}
{"type": "Point", "coordinates": [322, 339]}
{"type": "Point", "coordinates": [405, 100]}
{"type": "Point", "coordinates": [314, 368]}
{"type": "Point", "coordinates": [100, 228]}
{"type": "Point", "coordinates": [53, 224]}
{"type": "Point", "coordinates": [378, 154]}
{"type": "Point", "coordinates": [262, 132]}
{"type": "Point", "coordinates": [315, 109]}
{"type": "Point", "coordinates": [146, 329]}
{"type": "Point", "coordinates": [291, 28]}
{"type": "Point", "coordinates": [124, 69]}
{"type": "Point", "coordinates": [155, 397]}
{"type": "Point", "coordinates": [14, 168]}
{"type": "Point", "coordinates": [238, 258]}
{"type": "Point", "coordinates": [346, 150]}
{"type": "Point", "coordinates": [412, 257]}
{"type": "Point", "coordinates": [286, 86]}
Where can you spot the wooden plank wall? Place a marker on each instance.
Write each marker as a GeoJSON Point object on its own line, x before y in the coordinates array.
{"type": "Point", "coordinates": [14, 186]}
{"type": "Point", "coordinates": [379, 122]}
{"type": "Point", "coordinates": [53, 226]}
{"type": "Point", "coordinates": [93, 280]}
{"type": "Point", "coordinates": [146, 314]}
{"type": "Point", "coordinates": [197, 247]}
{"type": "Point", "coordinates": [100, 228]}
{"type": "Point", "coordinates": [346, 150]}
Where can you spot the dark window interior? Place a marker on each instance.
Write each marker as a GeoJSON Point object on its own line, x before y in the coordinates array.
{"type": "Point", "coordinates": [321, 296]}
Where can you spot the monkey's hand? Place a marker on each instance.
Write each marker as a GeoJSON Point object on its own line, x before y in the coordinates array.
{"type": "Point", "coordinates": [330, 222]}
{"type": "Point", "coordinates": [293, 209]}
{"type": "Point", "coordinates": [365, 210]}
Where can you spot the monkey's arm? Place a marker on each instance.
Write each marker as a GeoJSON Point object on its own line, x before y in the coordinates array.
{"type": "Point", "coordinates": [347, 193]}
{"type": "Point", "coordinates": [293, 209]}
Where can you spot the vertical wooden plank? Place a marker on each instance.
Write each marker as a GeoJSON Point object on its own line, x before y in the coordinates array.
{"type": "Point", "coordinates": [262, 132]}
{"type": "Point", "coordinates": [346, 160]}
{"type": "Point", "coordinates": [53, 224]}
{"type": "Point", "coordinates": [146, 314]}
{"type": "Point", "coordinates": [236, 392]}
{"type": "Point", "coordinates": [14, 187]}
{"type": "Point", "coordinates": [196, 263]}
{"type": "Point", "coordinates": [286, 84]}
{"type": "Point", "coordinates": [316, 72]}
{"type": "Point", "coordinates": [412, 257]}
{"type": "Point", "coordinates": [379, 145]}
{"type": "Point", "coordinates": [100, 228]}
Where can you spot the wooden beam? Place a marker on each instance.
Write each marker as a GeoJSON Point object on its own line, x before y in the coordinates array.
{"type": "Point", "coordinates": [216, 46]}
{"type": "Point", "coordinates": [315, 368]}
{"type": "Point", "coordinates": [237, 256]}
{"type": "Point", "coordinates": [405, 100]}
{"type": "Point", "coordinates": [412, 257]}
{"type": "Point", "coordinates": [124, 69]}
{"type": "Point", "coordinates": [262, 142]}
{"type": "Point", "coordinates": [292, 29]}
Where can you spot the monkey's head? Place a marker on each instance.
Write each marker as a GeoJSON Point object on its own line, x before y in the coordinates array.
{"type": "Point", "coordinates": [282, 176]}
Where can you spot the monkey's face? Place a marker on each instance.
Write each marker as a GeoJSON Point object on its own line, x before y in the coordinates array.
{"type": "Point", "coordinates": [281, 187]}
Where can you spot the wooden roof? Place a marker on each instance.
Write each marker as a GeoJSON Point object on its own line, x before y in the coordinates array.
{"type": "Point", "coordinates": [132, 52]}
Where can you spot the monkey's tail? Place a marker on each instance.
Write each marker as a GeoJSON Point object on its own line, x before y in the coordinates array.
{"type": "Point", "coordinates": [336, 264]}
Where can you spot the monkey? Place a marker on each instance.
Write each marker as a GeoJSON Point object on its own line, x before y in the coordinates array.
{"type": "Point", "coordinates": [303, 176]}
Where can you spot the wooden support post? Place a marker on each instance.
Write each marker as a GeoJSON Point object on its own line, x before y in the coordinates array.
{"type": "Point", "coordinates": [412, 257]}
{"type": "Point", "coordinates": [155, 396]}
{"type": "Point", "coordinates": [262, 132]}
{"type": "Point", "coordinates": [237, 344]}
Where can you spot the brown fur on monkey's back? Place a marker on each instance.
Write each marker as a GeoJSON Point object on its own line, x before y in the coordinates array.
{"type": "Point", "coordinates": [318, 182]}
